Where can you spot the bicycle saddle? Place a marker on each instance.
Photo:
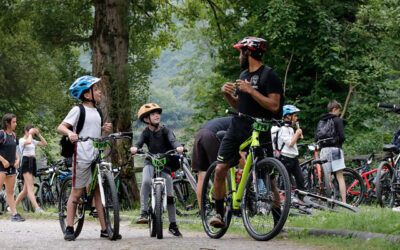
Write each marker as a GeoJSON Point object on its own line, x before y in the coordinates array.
{"type": "Point", "coordinates": [391, 148]}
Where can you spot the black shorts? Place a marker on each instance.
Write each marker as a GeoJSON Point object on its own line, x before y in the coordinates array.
{"type": "Point", "coordinates": [229, 149]}
{"type": "Point", "coordinates": [28, 165]}
{"type": "Point", "coordinates": [9, 171]}
{"type": "Point", "coordinates": [205, 150]}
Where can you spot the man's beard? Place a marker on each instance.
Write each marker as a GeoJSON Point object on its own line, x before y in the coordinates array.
{"type": "Point", "coordinates": [244, 62]}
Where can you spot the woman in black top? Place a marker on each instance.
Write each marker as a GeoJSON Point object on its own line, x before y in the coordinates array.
{"type": "Point", "coordinates": [9, 161]}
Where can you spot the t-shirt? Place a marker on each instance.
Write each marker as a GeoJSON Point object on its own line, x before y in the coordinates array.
{"type": "Point", "coordinates": [285, 137]}
{"type": "Point", "coordinates": [28, 149]}
{"type": "Point", "coordinates": [8, 147]}
{"type": "Point", "coordinates": [86, 153]}
{"type": "Point", "coordinates": [217, 124]}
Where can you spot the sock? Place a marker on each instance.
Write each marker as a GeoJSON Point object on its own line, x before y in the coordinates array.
{"type": "Point", "coordinates": [220, 207]}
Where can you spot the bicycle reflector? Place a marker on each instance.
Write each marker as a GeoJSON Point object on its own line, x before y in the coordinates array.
{"type": "Point", "coordinates": [260, 126]}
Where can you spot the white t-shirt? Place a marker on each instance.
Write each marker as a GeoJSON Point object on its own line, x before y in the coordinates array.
{"type": "Point", "coordinates": [28, 149]}
{"type": "Point", "coordinates": [285, 135]}
{"type": "Point", "coordinates": [91, 127]}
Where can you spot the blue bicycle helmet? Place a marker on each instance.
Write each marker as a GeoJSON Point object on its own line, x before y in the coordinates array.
{"type": "Point", "coordinates": [81, 84]}
{"type": "Point", "coordinates": [289, 109]}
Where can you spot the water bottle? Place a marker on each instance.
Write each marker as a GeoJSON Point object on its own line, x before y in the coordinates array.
{"type": "Point", "coordinates": [239, 175]}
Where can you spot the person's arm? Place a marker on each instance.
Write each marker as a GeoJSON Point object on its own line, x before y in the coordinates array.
{"type": "Point", "coordinates": [340, 129]}
{"type": "Point", "coordinates": [296, 137]}
{"type": "Point", "coordinates": [284, 136]}
{"type": "Point", "coordinates": [63, 129]}
{"type": "Point", "coordinates": [174, 142]}
{"type": "Point", "coordinates": [16, 159]}
{"type": "Point", "coordinates": [270, 102]}
{"type": "Point", "coordinates": [139, 143]}
{"type": "Point", "coordinates": [5, 163]}
{"type": "Point", "coordinates": [43, 141]}
{"type": "Point", "coordinates": [228, 90]}
{"type": "Point", "coordinates": [30, 136]}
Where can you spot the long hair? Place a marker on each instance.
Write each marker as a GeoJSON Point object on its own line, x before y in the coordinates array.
{"type": "Point", "coordinates": [7, 118]}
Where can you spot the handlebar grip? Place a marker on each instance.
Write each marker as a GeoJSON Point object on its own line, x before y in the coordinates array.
{"type": "Point", "coordinates": [386, 105]}
{"type": "Point", "coordinates": [130, 133]}
{"type": "Point", "coordinates": [231, 112]}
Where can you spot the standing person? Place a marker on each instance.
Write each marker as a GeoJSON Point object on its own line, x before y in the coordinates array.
{"type": "Point", "coordinates": [27, 146]}
{"type": "Point", "coordinates": [259, 94]}
{"type": "Point", "coordinates": [287, 143]}
{"type": "Point", "coordinates": [159, 139]}
{"type": "Point", "coordinates": [331, 126]}
{"type": "Point", "coordinates": [9, 161]}
{"type": "Point", "coordinates": [86, 90]}
{"type": "Point", "coordinates": [205, 149]}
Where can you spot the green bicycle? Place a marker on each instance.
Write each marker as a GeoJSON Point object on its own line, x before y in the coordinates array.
{"type": "Point", "coordinates": [261, 198]}
{"type": "Point", "coordinates": [102, 176]}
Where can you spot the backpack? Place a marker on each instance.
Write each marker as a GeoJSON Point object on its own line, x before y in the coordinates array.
{"type": "Point", "coordinates": [2, 141]}
{"type": "Point", "coordinates": [277, 149]}
{"type": "Point", "coordinates": [326, 129]}
{"type": "Point", "coordinates": [396, 139]}
{"type": "Point", "coordinates": [67, 148]}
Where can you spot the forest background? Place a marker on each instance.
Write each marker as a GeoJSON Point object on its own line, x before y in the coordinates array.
{"type": "Point", "coordinates": [179, 54]}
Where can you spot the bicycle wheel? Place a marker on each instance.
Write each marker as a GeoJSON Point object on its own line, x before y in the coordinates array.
{"type": "Point", "coordinates": [265, 213]}
{"type": "Point", "coordinates": [383, 185]}
{"type": "Point", "coordinates": [124, 198]}
{"type": "Point", "coordinates": [186, 198]}
{"type": "Point", "coordinates": [318, 181]}
{"type": "Point", "coordinates": [158, 211]}
{"type": "Point", "coordinates": [355, 188]}
{"type": "Point", "coordinates": [208, 209]}
{"type": "Point", "coordinates": [46, 196]}
{"type": "Point", "coordinates": [111, 208]}
{"type": "Point", "coordinates": [62, 208]}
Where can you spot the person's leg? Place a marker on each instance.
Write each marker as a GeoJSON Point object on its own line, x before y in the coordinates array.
{"type": "Point", "coordinates": [22, 194]}
{"type": "Point", "coordinates": [342, 184]}
{"type": "Point", "coordinates": [71, 207]}
{"type": "Point", "coordinates": [298, 174]}
{"type": "Point", "coordinates": [10, 183]}
{"type": "Point", "coordinates": [170, 198]}
{"type": "Point", "coordinates": [29, 186]}
{"type": "Point", "coordinates": [200, 181]}
{"type": "Point", "coordinates": [147, 175]}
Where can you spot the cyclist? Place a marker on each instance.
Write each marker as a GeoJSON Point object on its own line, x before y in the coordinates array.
{"type": "Point", "coordinates": [85, 89]}
{"type": "Point", "coordinates": [27, 147]}
{"type": "Point", "coordinates": [205, 149]}
{"type": "Point", "coordinates": [332, 149]}
{"type": "Point", "coordinates": [258, 93]}
{"type": "Point", "coordinates": [159, 139]}
{"type": "Point", "coordinates": [9, 160]}
{"type": "Point", "coordinates": [286, 143]}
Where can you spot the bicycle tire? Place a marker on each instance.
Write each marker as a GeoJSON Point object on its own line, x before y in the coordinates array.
{"type": "Point", "coordinates": [111, 208]}
{"type": "Point", "coordinates": [383, 185]}
{"type": "Point", "coordinates": [62, 208]}
{"type": "Point", "coordinates": [124, 197]}
{"type": "Point", "coordinates": [254, 211]}
{"type": "Point", "coordinates": [152, 223]}
{"type": "Point", "coordinates": [158, 211]}
{"type": "Point", "coordinates": [186, 198]}
{"type": "Point", "coordinates": [208, 209]}
{"type": "Point", "coordinates": [46, 196]}
{"type": "Point", "coordinates": [353, 180]}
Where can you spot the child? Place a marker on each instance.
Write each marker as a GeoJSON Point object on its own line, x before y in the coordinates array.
{"type": "Point", "coordinates": [286, 143]}
{"type": "Point", "coordinates": [158, 139]}
{"type": "Point", "coordinates": [86, 90]}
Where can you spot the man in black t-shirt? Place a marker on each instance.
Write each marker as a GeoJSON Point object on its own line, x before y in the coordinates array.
{"type": "Point", "coordinates": [258, 92]}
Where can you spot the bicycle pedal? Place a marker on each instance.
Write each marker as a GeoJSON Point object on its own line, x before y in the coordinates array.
{"type": "Point", "coordinates": [80, 202]}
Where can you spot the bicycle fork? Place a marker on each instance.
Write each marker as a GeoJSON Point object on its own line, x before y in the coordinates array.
{"type": "Point", "coordinates": [154, 182]}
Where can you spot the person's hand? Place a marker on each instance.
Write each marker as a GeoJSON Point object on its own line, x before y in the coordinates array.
{"type": "Point", "coordinates": [72, 136]}
{"type": "Point", "coordinates": [179, 150]}
{"type": "Point", "coordinates": [32, 131]}
{"type": "Point", "coordinates": [299, 132]}
{"type": "Point", "coordinates": [37, 131]}
{"type": "Point", "coordinates": [244, 86]}
{"type": "Point", "coordinates": [6, 164]}
{"type": "Point", "coordinates": [133, 150]}
{"type": "Point", "coordinates": [16, 163]}
{"type": "Point", "coordinates": [107, 127]}
{"type": "Point", "coordinates": [228, 88]}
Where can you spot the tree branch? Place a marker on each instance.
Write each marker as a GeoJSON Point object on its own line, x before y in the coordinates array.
{"type": "Point", "coordinates": [216, 18]}
{"type": "Point", "coordinates": [287, 71]}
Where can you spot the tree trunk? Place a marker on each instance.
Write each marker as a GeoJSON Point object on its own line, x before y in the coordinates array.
{"type": "Point", "coordinates": [348, 97]}
{"type": "Point", "coordinates": [110, 41]}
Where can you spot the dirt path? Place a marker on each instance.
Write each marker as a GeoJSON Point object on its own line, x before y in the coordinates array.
{"type": "Point", "coordinates": [46, 234]}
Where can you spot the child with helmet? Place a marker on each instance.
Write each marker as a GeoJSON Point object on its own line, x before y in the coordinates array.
{"type": "Point", "coordinates": [159, 139]}
{"type": "Point", "coordinates": [86, 90]}
{"type": "Point", "coordinates": [286, 139]}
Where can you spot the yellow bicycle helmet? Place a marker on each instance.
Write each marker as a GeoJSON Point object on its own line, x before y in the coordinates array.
{"type": "Point", "coordinates": [147, 108]}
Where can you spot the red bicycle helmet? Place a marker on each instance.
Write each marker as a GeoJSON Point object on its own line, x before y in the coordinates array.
{"type": "Point", "coordinates": [252, 43]}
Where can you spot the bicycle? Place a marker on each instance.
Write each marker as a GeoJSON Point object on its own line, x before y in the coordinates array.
{"type": "Point", "coordinates": [121, 186]}
{"type": "Point", "coordinates": [50, 186]}
{"type": "Point", "coordinates": [369, 178]}
{"type": "Point", "coordinates": [102, 176]}
{"type": "Point", "coordinates": [158, 201]}
{"type": "Point", "coordinates": [256, 196]}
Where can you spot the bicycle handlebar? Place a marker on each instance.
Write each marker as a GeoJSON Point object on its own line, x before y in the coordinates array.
{"type": "Point", "coordinates": [395, 108]}
{"type": "Point", "coordinates": [119, 135]}
{"type": "Point", "coordinates": [248, 117]}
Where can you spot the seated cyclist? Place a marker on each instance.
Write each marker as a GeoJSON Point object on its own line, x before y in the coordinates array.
{"type": "Point", "coordinates": [159, 139]}
{"type": "Point", "coordinates": [258, 93]}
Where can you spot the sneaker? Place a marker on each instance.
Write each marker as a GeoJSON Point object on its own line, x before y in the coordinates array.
{"type": "Point", "coordinates": [94, 213]}
{"type": "Point", "coordinates": [69, 234]}
{"type": "Point", "coordinates": [173, 229]}
{"type": "Point", "coordinates": [217, 221]}
{"type": "Point", "coordinates": [144, 218]}
{"type": "Point", "coordinates": [396, 209]}
{"type": "Point", "coordinates": [39, 210]}
{"type": "Point", "coordinates": [17, 217]}
{"type": "Point", "coordinates": [104, 234]}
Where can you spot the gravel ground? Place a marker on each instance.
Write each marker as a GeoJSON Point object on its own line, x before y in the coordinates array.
{"type": "Point", "coordinates": [46, 234]}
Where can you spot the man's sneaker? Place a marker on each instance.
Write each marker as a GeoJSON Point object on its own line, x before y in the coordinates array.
{"type": "Point", "coordinates": [173, 229]}
{"type": "Point", "coordinates": [396, 209]}
{"type": "Point", "coordinates": [144, 218]}
{"type": "Point", "coordinates": [217, 221]}
{"type": "Point", "coordinates": [104, 234]}
{"type": "Point", "coordinates": [39, 210]}
{"type": "Point", "coordinates": [17, 217]}
{"type": "Point", "coordinates": [69, 234]}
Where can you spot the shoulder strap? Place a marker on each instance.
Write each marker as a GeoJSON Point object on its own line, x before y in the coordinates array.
{"type": "Point", "coordinates": [81, 121]}
{"type": "Point", "coordinates": [100, 113]}
{"type": "Point", "coordinates": [3, 140]}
